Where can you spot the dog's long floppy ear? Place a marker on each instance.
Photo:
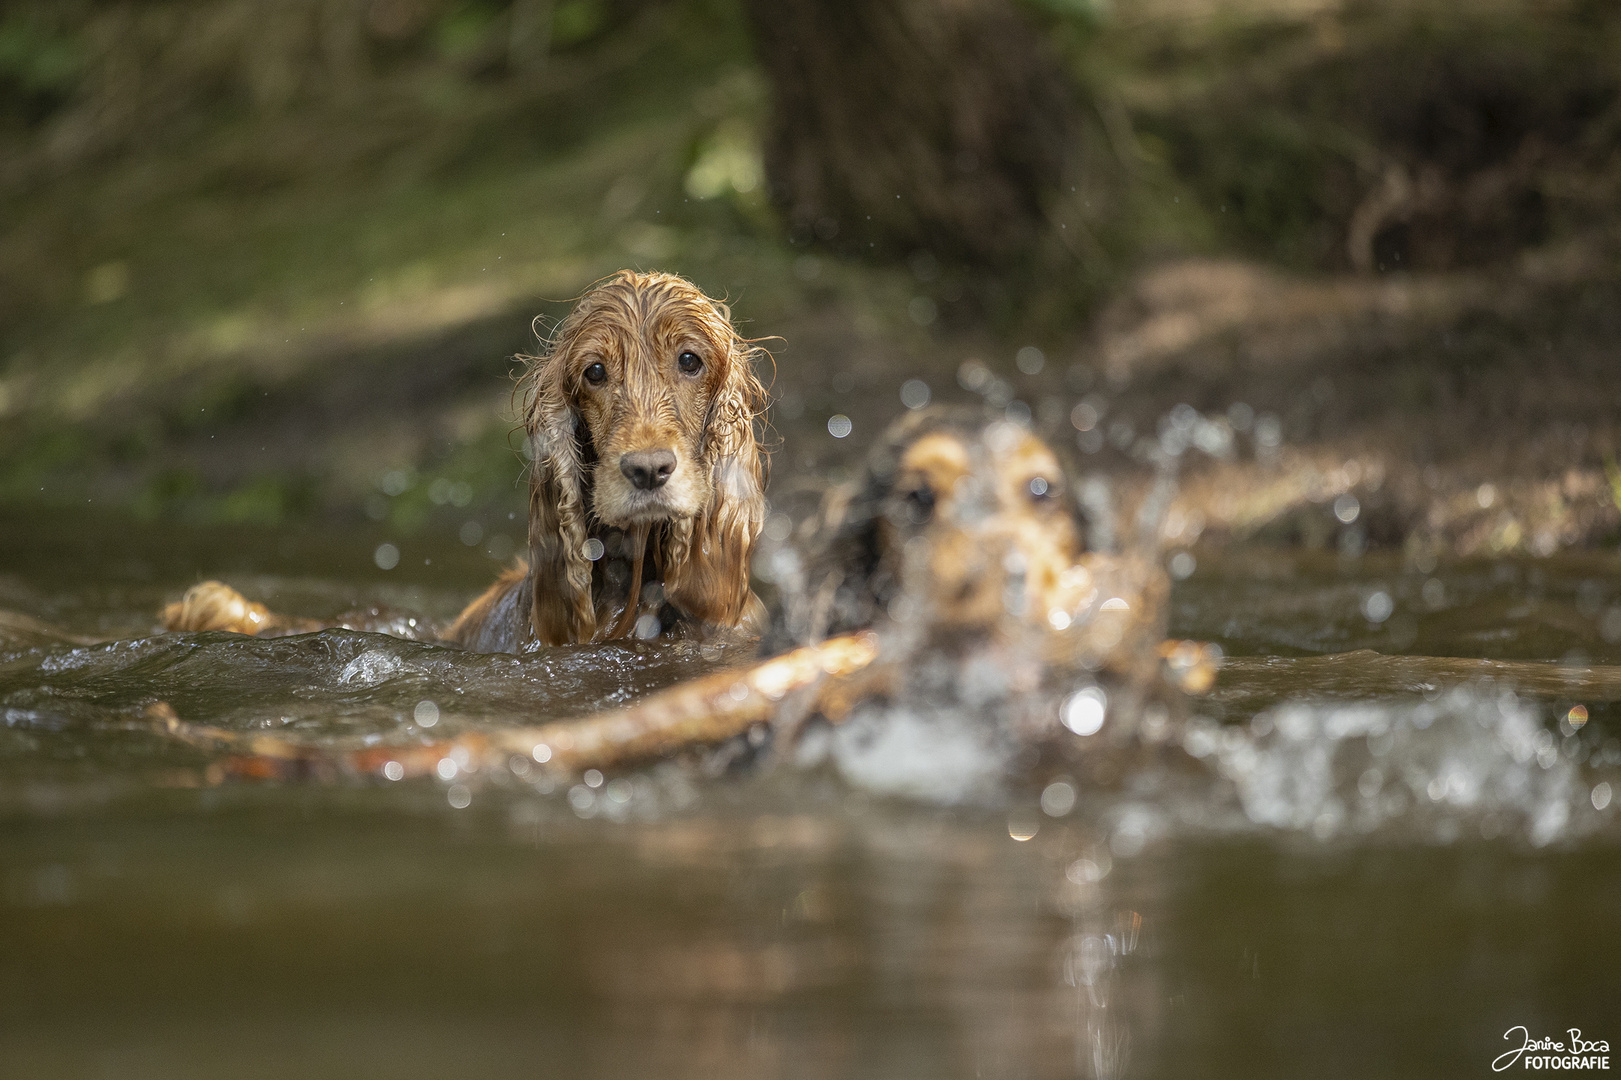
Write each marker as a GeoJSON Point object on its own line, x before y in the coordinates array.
{"type": "Point", "coordinates": [852, 577]}
{"type": "Point", "coordinates": [854, 572]}
{"type": "Point", "coordinates": [562, 612]}
{"type": "Point", "coordinates": [707, 559]}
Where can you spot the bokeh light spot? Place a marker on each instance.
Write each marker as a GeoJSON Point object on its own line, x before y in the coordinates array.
{"type": "Point", "coordinates": [1084, 710]}
{"type": "Point", "coordinates": [914, 393]}
{"type": "Point", "coordinates": [1058, 798]}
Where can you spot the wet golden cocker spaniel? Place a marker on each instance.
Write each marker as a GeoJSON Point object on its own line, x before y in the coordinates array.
{"type": "Point", "coordinates": [648, 486]}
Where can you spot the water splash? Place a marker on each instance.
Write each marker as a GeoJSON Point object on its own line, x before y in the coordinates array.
{"type": "Point", "coordinates": [1474, 759]}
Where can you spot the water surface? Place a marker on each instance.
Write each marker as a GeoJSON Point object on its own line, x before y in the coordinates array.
{"type": "Point", "coordinates": [1366, 853]}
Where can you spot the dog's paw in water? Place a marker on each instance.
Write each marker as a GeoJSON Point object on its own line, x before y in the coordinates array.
{"type": "Point", "coordinates": [213, 605]}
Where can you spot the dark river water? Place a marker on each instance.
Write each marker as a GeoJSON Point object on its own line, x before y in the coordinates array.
{"type": "Point", "coordinates": [1386, 838]}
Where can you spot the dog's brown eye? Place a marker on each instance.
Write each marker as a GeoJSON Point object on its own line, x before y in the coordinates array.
{"type": "Point", "coordinates": [919, 505]}
{"type": "Point", "coordinates": [595, 374]}
{"type": "Point", "coordinates": [690, 363]}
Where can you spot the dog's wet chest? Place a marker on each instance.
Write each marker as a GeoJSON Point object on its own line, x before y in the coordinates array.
{"type": "Point", "coordinates": [615, 569]}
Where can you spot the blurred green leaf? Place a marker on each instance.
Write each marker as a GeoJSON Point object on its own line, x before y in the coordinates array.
{"type": "Point", "coordinates": [37, 59]}
{"type": "Point", "coordinates": [577, 21]}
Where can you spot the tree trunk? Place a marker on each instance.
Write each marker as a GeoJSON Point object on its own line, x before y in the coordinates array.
{"type": "Point", "coordinates": [908, 125]}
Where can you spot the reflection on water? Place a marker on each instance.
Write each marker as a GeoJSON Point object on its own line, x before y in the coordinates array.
{"type": "Point", "coordinates": [256, 933]}
{"type": "Point", "coordinates": [1346, 864]}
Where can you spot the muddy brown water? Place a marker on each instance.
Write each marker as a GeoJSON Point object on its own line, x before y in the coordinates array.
{"type": "Point", "coordinates": [1380, 844]}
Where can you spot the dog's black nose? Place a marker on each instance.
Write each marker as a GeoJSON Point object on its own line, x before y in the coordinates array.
{"type": "Point", "coordinates": [647, 469]}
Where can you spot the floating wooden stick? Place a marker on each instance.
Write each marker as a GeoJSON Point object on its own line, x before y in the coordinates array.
{"type": "Point", "coordinates": [702, 712]}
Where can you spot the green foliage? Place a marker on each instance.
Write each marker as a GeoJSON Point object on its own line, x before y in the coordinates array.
{"type": "Point", "coordinates": [180, 493]}
{"type": "Point", "coordinates": [167, 492]}
{"type": "Point", "coordinates": [36, 59]}
{"type": "Point", "coordinates": [575, 22]}
{"type": "Point", "coordinates": [464, 30]}
{"type": "Point", "coordinates": [39, 66]}
{"type": "Point", "coordinates": [476, 478]}
{"type": "Point", "coordinates": [266, 500]}
{"type": "Point", "coordinates": [1085, 12]}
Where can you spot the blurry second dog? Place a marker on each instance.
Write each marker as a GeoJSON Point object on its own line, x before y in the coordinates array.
{"type": "Point", "coordinates": [963, 548]}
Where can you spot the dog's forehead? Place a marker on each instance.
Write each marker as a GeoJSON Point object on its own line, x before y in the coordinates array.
{"type": "Point", "coordinates": [1025, 456]}
{"type": "Point", "coordinates": [941, 458]}
{"type": "Point", "coordinates": [613, 318]}
{"type": "Point", "coordinates": [684, 316]}
{"type": "Point", "coordinates": [944, 458]}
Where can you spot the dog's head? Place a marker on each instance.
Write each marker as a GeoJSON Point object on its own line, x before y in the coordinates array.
{"type": "Point", "coordinates": [642, 413]}
{"type": "Point", "coordinates": [958, 522]}
{"type": "Point", "coordinates": [963, 548]}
